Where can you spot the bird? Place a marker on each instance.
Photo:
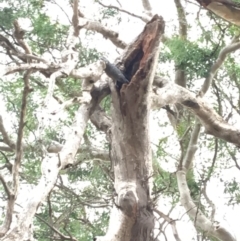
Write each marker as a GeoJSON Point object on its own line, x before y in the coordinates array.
{"type": "Point", "coordinates": [115, 73]}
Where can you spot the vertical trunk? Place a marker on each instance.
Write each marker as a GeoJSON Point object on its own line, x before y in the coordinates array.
{"type": "Point", "coordinates": [131, 151]}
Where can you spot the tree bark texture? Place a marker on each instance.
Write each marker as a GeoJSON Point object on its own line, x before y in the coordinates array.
{"type": "Point", "coordinates": [130, 144]}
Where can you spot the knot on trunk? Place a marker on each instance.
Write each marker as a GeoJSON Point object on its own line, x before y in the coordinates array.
{"type": "Point", "coordinates": [128, 203]}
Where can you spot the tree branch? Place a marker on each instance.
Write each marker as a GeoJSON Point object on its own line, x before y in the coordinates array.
{"type": "Point", "coordinates": [19, 148]}
{"type": "Point", "coordinates": [182, 20]}
{"type": "Point", "coordinates": [147, 7]}
{"type": "Point", "coordinates": [171, 222]}
{"type": "Point", "coordinates": [192, 147]}
{"type": "Point", "coordinates": [143, 18]}
{"type": "Point", "coordinates": [170, 93]}
{"type": "Point", "coordinates": [9, 209]}
{"type": "Point", "coordinates": [225, 9]}
{"type": "Point", "coordinates": [195, 214]}
{"type": "Point", "coordinates": [31, 66]}
{"type": "Point", "coordinates": [108, 34]}
{"type": "Point", "coordinates": [6, 138]}
{"type": "Point", "coordinates": [62, 236]}
{"type": "Point", "coordinates": [19, 34]}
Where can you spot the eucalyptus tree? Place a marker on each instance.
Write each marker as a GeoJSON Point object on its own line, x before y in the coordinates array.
{"type": "Point", "coordinates": [79, 157]}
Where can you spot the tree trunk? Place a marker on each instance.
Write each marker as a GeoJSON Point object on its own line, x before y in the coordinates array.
{"type": "Point", "coordinates": [132, 218]}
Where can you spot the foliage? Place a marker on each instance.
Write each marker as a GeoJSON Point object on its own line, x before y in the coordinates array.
{"type": "Point", "coordinates": [190, 56]}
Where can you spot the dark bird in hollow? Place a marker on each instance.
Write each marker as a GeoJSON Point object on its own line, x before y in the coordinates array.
{"type": "Point", "coordinates": [115, 74]}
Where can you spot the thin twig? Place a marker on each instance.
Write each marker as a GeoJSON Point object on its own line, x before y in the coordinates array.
{"type": "Point", "coordinates": [144, 19]}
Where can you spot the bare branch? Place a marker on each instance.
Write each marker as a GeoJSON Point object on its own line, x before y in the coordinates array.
{"type": "Point", "coordinates": [181, 19]}
{"type": "Point", "coordinates": [209, 201]}
{"type": "Point", "coordinates": [180, 75]}
{"type": "Point", "coordinates": [141, 17]}
{"type": "Point", "coordinates": [6, 149]}
{"type": "Point", "coordinates": [55, 2]}
{"type": "Point", "coordinates": [9, 209]}
{"type": "Point", "coordinates": [19, 148]}
{"type": "Point", "coordinates": [53, 163]}
{"type": "Point", "coordinates": [11, 50]}
{"type": "Point", "coordinates": [62, 236]}
{"type": "Point", "coordinates": [192, 147]}
{"type": "Point", "coordinates": [222, 56]}
{"type": "Point", "coordinates": [31, 66]}
{"type": "Point", "coordinates": [201, 220]}
{"type": "Point", "coordinates": [91, 72]}
{"type": "Point", "coordinates": [69, 61]}
{"type": "Point", "coordinates": [75, 20]}
{"type": "Point", "coordinates": [108, 34]}
{"type": "Point", "coordinates": [6, 43]}
{"type": "Point", "coordinates": [101, 120]}
{"type": "Point", "coordinates": [171, 222]}
{"type": "Point", "coordinates": [147, 7]}
{"type": "Point", "coordinates": [51, 166]}
{"type": "Point", "coordinates": [8, 164]}
{"type": "Point", "coordinates": [226, 9]}
{"type": "Point", "coordinates": [233, 156]}
{"type": "Point", "coordinates": [7, 189]}
{"type": "Point", "coordinates": [170, 93]}
{"type": "Point", "coordinates": [6, 138]}
{"type": "Point", "coordinates": [18, 34]}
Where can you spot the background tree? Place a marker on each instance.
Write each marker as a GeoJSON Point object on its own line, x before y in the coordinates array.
{"type": "Point", "coordinates": [84, 156]}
